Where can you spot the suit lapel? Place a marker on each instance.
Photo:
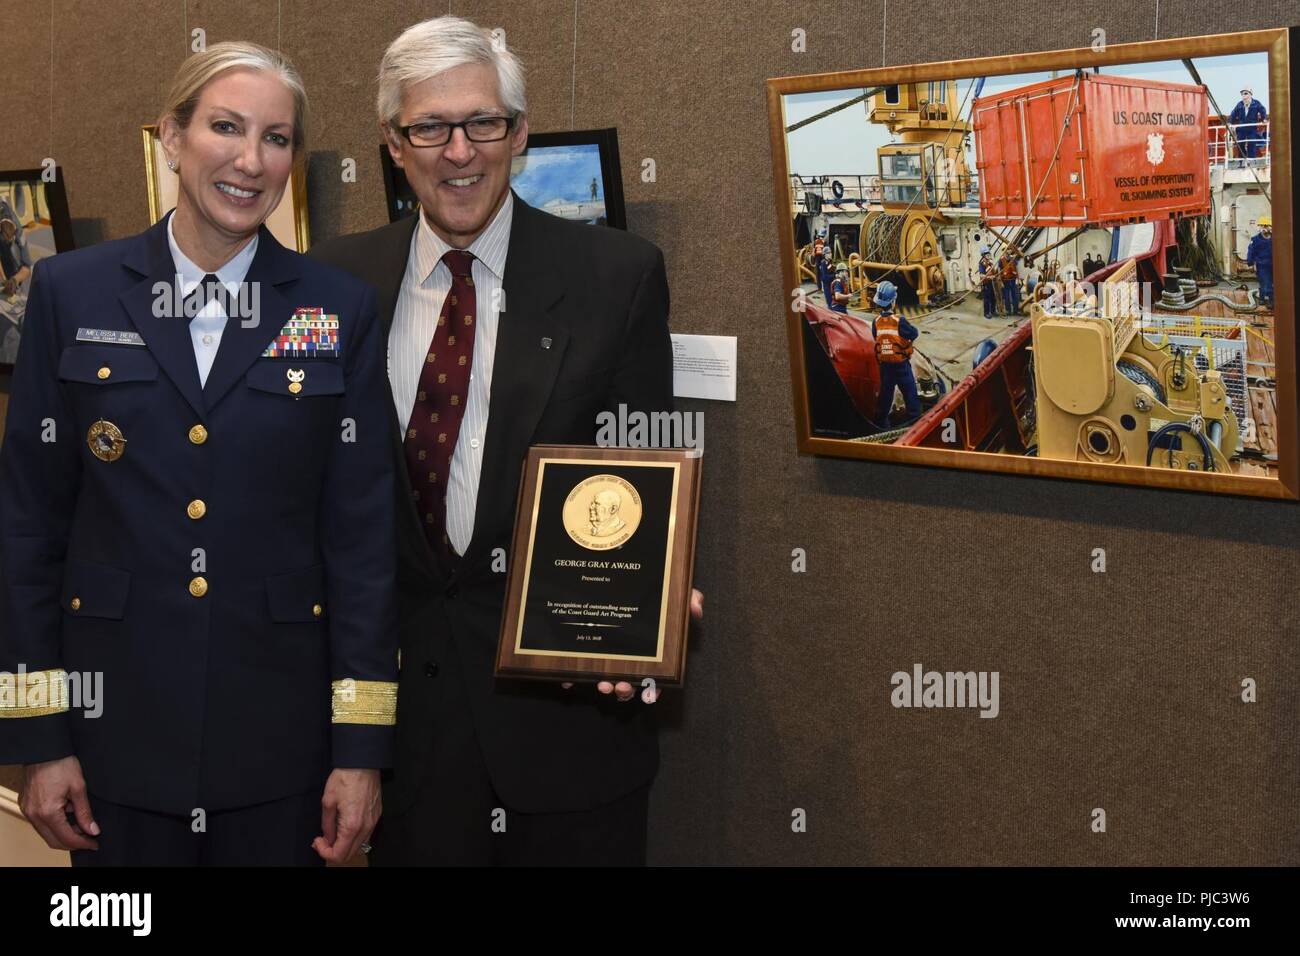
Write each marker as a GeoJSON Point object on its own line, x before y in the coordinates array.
{"type": "Point", "coordinates": [392, 249]}
{"type": "Point", "coordinates": [532, 335]}
{"type": "Point", "coordinates": [385, 270]}
{"type": "Point", "coordinates": [244, 339]}
{"type": "Point", "coordinates": [150, 305]}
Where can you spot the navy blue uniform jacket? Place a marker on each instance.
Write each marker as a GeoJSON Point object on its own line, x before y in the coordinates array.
{"type": "Point", "coordinates": [281, 663]}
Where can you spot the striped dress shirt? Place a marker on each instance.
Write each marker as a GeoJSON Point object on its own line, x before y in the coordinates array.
{"type": "Point", "coordinates": [425, 287]}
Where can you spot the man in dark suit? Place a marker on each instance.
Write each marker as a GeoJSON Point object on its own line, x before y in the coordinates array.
{"type": "Point", "coordinates": [507, 327]}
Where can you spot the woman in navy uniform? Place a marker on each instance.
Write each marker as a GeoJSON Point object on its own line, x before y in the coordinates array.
{"type": "Point", "coordinates": [198, 663]}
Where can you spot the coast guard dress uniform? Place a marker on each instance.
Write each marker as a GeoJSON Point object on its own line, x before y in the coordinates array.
{"type": "Point", "coordinates": [197, 527]}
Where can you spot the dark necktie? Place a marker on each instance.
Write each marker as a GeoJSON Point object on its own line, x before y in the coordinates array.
{"type": "Point", "coordinates": [209, 290]}
{"type": "Point", "coordinates": [440, 405]}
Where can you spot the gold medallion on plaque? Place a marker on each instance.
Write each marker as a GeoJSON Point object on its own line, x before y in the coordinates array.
{"type": "Point", "coordinates": [602, 512]}
{"type": "Point", "coordinates": [105, 440]}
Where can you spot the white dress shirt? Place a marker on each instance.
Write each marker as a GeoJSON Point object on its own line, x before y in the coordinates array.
{"type": "Point", "coordinates": [425, 286]}
{"type": "Point", "coordinates": [207, 326]}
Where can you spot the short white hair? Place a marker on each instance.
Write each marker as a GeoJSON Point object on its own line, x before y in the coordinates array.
{"type": "Point", "coordinates": [433, 47]}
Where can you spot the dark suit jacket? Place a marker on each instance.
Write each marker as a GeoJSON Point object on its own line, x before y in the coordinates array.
{"type": "Point", "coordinates": [601, 297]}
{"type": "Point", "coordinates": [221, 699]}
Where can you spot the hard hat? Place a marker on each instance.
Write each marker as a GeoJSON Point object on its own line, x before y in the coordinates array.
{"type": "Point", "coordinates": [984, 250]}
{"type": "Point", "coordinates": [1247, 89]}
{"type": "Point", "coordinates": [841, 267]}
{"type": "Point", "coordinates": [1266, 221]}
{"type": "Point", "coordinates": [886, 293]}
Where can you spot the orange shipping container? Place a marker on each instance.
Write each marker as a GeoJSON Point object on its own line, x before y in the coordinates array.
{"type": "Point", "coordinates": [1132, 151]}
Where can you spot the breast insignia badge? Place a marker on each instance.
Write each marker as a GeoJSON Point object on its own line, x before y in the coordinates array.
{"type": "Point", "coordinates": [105, 440]}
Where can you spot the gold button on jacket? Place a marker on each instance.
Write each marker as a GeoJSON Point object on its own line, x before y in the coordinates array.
{"type": "Point", "coordinates": [198, 435]}
{"type": "Point", "coordinates": [199, 586]}
{"type": "Point", "coordinates": [197, 509]}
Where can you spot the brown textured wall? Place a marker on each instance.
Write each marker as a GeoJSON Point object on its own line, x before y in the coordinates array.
{"type": "Point", "coordinates": [1118, 690]}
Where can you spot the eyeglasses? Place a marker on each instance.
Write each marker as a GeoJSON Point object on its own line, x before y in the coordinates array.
{"type": "Point", "coordinates": [481, 129]}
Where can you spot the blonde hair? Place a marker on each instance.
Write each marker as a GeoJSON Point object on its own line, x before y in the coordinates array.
{"type": "Point", "coordinates": [202, 68]}
{"type": "Point", "coordinates": [435, 46]}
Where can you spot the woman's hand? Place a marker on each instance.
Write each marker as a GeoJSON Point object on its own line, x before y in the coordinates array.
{"type": "Point", "coordinates": [52, 792]}
{"type": "Point", "coordinates": [350, 808]}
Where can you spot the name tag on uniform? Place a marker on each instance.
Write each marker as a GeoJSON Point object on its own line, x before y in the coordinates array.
{"type": "Point", "coordinates": [309, 334]}
{"type": "Point", "coordinates": [109, 337]}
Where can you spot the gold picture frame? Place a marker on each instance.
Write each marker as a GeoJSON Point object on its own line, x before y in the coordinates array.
{"type": "Point", "coordinates": [1283, 472]}
{"type": "Point", "coordinates": [287, 222]}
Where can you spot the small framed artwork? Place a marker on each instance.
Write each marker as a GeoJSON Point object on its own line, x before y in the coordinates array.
{"type": "Point", "coordinates": [574, 175]}
{"type": "Point", "coordinates": [287, 222]}
{"type": "Point", "coordinates": [34, 223]}
{"type": "Point", "coordinates": [1077, 264]}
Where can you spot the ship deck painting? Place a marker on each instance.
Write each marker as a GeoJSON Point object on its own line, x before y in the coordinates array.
{"type": "Point", "coordinates": [1092, 249]}
{"type": "Point", "coordinates": [34, 224]}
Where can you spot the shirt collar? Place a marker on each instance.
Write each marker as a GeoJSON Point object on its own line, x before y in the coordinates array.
{"type": "Point", "coordinates": [489, 248]}
{"type": "Point", "coordinates": [232, 273]}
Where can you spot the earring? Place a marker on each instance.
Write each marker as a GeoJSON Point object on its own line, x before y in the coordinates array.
{"type": "Point", "coordinates": [171, 164]}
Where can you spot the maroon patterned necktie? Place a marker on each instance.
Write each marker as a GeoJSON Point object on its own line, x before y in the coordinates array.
{"type": "Point", "coordinates": [440, 405]}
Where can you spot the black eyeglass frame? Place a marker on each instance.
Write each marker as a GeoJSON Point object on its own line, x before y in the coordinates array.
{"type": "Point", "coordinates": [463, 126]}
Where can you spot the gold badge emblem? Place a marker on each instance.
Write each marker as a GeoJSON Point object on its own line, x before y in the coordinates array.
{"type": "Point", "coordinates": [106, 441]}
{"type": "Point", "coordinates": [296, 375]}
{"type": "Point", "coordinates": [602, 512]}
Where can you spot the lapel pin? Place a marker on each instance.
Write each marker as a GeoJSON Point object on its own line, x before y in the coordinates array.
{"type": "Point", "coordinates": [296, 375]}
{"type": "Point", "coordinates": [546, 342]}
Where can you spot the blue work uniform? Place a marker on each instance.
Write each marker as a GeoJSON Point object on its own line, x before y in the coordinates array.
{"type": "Point", "coordinates": [897, 375]}
{"type": "Point", "coordinates": [824, 278]}
{"type": "Point", "coordinates": [842, 287]}
{"type": "Point", "coordinates": [988, 291]}
{"type": "Point", "coordinates": [1260, 255]}
{"type": "Point", "coordinates": [1010, 292]}
{"type": "Point", "coordinates": [1250, 135]}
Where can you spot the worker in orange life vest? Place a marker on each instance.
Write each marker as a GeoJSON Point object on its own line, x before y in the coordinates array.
{"type": "Point", "coordinates": [841, 290]}
{"type": "Point", "coordinates": [894, 336]}
{"type": "Point", "coordinates": [1010, 288]}
{"type": "Point", "coordinates": [987, 274]}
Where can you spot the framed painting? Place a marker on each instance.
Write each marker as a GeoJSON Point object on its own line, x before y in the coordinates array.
{"type": "Point", "coordinates": [34, 223]}
{"type": "Point", "coordinates": [574, 175]}
{"type": "Point", "coordinates": [1077, 264]}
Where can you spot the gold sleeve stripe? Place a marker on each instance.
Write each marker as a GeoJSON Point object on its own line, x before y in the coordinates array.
{"type": "Point", "coordinates": [33, 693]}
{"type": "Point", "coordinates": [365, 702]}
